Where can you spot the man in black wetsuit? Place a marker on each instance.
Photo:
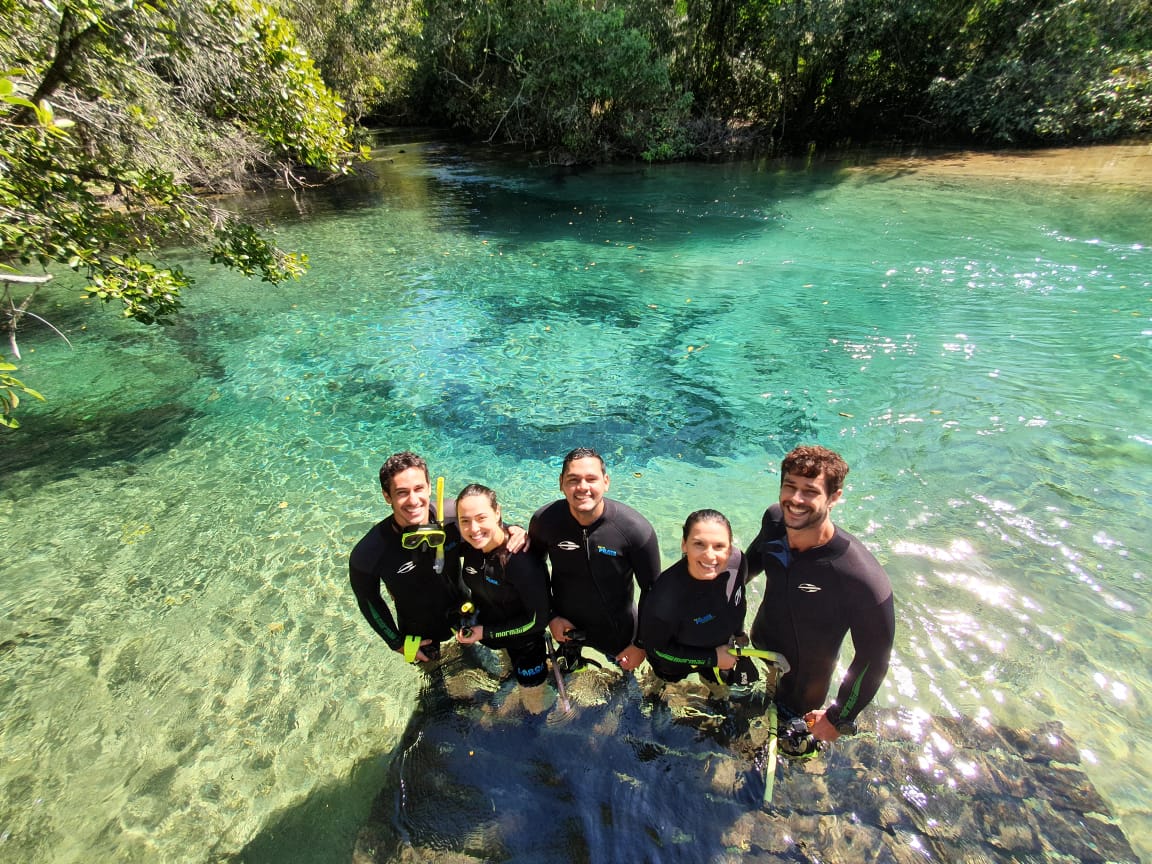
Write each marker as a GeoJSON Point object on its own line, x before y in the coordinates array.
{"type": "Point", "coordinates": [424, 591]}
{"type": "Point", "coordinates": [820, 584]}
{"type": "Point", "coordinates": [596, 547]}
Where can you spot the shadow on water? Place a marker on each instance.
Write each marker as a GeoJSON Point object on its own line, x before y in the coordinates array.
{"type": "Point", "coordinates": [626, 776]}
{"type": "Point", "coordinates": [321, 829]}
{"type": "Point", "coordinates": [659, 424]}
{"type": "Point", "coordinates": [622, 780]}
{"type": "Point", "coordinates": [55, 447]}
{"type": "Point", "coordinates": [479, 782]}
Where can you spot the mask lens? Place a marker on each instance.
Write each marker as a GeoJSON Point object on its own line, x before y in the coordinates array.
{"type": "Point", "coordinates": [425, 534]}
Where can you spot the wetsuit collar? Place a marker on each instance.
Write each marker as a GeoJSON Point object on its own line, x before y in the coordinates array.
{"type": "Point", "coordinates": [833, 547]}
{"type": "Point", "coordinates": [603, 515]}
{"type": "Point", "coordinates": [827, 533]}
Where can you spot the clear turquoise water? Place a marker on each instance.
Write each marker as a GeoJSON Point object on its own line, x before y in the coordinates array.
{"type": "Point", "coordinates": [183, 661]}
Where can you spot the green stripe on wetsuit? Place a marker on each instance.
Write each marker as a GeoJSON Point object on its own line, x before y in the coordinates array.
{"type": "Point", "coordinates": [854, 695]}
{"type": "Point", "coordinates": [515, 631]}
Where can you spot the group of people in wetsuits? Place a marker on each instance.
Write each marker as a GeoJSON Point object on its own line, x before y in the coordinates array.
{"type": "Point", "coordinates": [572, 578]}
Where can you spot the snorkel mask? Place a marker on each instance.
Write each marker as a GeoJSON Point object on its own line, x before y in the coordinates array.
{"type": "Point", "coordinates": [432, 535]}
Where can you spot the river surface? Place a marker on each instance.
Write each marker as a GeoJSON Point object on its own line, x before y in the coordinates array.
{"type": "Point", "coordinates": [185, 673]}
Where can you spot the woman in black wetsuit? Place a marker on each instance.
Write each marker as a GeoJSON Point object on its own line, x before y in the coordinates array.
{"type": "Point", "coordinates": [697, 605]}
{"type": "Point", "coordinates": [508, 592]}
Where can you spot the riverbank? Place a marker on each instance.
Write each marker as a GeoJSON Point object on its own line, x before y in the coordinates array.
{"type": "Point", "coordinates": [1115, 166]}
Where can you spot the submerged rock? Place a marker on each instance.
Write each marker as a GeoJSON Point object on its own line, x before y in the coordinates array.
{"type": "Point", "coordinates": [636, 773]}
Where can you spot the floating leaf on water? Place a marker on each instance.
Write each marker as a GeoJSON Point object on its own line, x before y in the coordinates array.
{"type": "Point", "coordinates": [283, 504]}
{"type": "Point", "coordinates": [131, 535]}
{"type": "Point", "coordinates": [843, 414]}
{"type": "Point", "coordinates": [637, 474]}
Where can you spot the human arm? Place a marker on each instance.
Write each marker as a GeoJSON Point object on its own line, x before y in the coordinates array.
{"type": "Point", "coordinates": [528, 577]}
{"type": "Point", "coordinates": [366, 587]}
{"type": "Point", "coordinates": [873, 633]}
{"type": "Point", "coordinates": [372, 606]}
{"type": "Point", "coordinates": [645, 560]}
{"type": "Point", "coordinates": [660, 625]}
{"type": "Point", "coordinates": [771, 529]}
{"type": "Point", "coordinates": [662, 646]}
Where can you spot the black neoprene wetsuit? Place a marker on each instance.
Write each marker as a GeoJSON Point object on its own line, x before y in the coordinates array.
{"type": "Point", "coordinates": [811, 600]}
{"type": "Point", "coordinates": [510, 593]}
{"type": "Point", "coordinates": [427, 603]}
{"type": "Point", "coordinates": [685, 619]}
{"type": "Point", "coordinates": [593, 569]}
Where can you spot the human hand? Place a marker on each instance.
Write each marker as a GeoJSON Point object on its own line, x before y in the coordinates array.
{"type": "Point", "coordinates": [724, 658]}
{"type": "Point", "coordinates": [559, 626]}
{"type": "Point", "coordinates": [822, 729]}
{"type": "Point", "coordinates": [631, 657]}
{"type": "Point", "coordinates": [474, 634]}
{"type": "Point", "coordinates": [517, 539]}
{"type": "Point", "coordinates": [419, 656]}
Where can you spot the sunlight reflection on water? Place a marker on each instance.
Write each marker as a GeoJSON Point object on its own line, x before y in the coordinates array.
{"type": "Point", "coordinates": [183, 658]}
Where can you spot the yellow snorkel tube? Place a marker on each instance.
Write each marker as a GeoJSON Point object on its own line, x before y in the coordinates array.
{"type": "Point", "coordinates": [439, 565]}
{"type": "Point", "coordinates": [776, 665]}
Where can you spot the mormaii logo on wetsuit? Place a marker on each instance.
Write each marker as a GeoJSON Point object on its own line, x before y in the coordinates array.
{"type": "Point", "coordinates": [408, 567]}
{"type": "Point", "coordinates": [808, 587]}
{"type": "Point", "coordinates": [568, 546]}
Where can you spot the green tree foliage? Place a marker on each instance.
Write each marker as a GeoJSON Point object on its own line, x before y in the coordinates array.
{"type": "Point", "coordinates": [1008, 71]}
{"type": "Point", "coordinates": [366, 49]}
{"type": "Point", "coordinates": [1055, 70]}
{"type": "Point", "coordinates": [592, 78]}
{"type": "Point", "coordinates": [564, 73]}
{"type": "Point", "coordinates": [111, 111]}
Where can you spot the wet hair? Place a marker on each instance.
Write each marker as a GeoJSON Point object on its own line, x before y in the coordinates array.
{"type": "Point", "coordinates": [707, 516]}
{"type": "Point", "coordinates": [398, 462]}
{"type": "Point", "coordinates": [811, 461]}
{"type": "Point", "coordinates": [582, 453]}
{"type": "Point", "coordinates": [476, 489]}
